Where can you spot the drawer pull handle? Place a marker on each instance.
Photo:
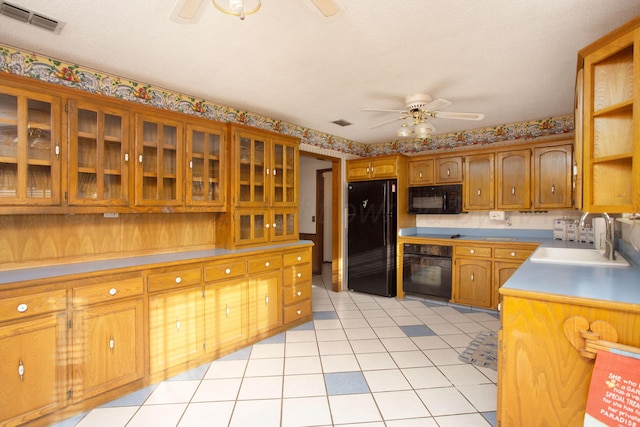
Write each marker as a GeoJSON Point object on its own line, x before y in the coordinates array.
{"type": "Point", "coordinates": [267, 264]}
{"type": "Point", "coordinates": [299, 312]}
{"type": "Point", "coordinates": [299, 293]}
{"type": "Point", "coordinates": [22, 308]}
{"type": "Point", "coordinates": [113, 291]}
{"type": "Point", "coordinates": [228, 271]}
{"type": "Point", "coordinates": [473, 251]}
{"type": "Point", "coordinates": [479, 192]}
{"type": "Point", "coordinates": [553, 189]}
{"type": "Point", "coordinates": [227, 310]}
{"type": "Point", "coordinates": [112, 343]}
{"type": "Point", "coordinates": [472, 277]}
{"type": "Point", "coordinates": [513, 254]}
{"type": "Point", "coordinates": [420, 174]}
{"type": "Point", "coordinates": [513, 190]}
{"type": "Point", "coordinates": [140, 158]}
{"type": "Point", "coordinates": [299, 258]}
{"type": "Point", "coordinates": [178, 279]}
{"type": "Point", "coordinates": [21, 370]}
{"type": "Point", "coordinates": [299, 275]}
{"type": "Point", "coordinates": [448, 172]}
{"type": "Point", "coordinates": [126, 157]}
{"type": "Point", "coordinates": [266, 300]}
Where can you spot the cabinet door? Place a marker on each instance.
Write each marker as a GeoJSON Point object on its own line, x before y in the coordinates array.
{"type": "Point", "coordinates": [502, 271]}
{"type": "Point", "coordinates": [421, 172]}
{"type": "Point", "coordinates": [33, 356]}
{"type": "Point", "coordinates": [251, 226]}
{"type": "Point", "coordinates": [284, 173]}
{"type": "Point", "coordinates": [225, 313]}
{"type": "Point", "coordinates": [251, 177]}
{"type": "Point", "coordinates": [98, 155]}
{"type": "Point", "coordinates": [473, 282]}
{"type": "Point", "coordinates": [265, 309]}
{"type": "Point", "coordinates": [284, 225]}
{"type": "Point", "coordinates": [30, 153]}
{"type": "Point", "coordinates": [384, 168]}
{"type": "Point", "coordinates": [206, 183]}
{"type": "Point", "coordinates": [448, 170]}
{"type": "Point", "coordinates": [108, 347]}
{"type": "Point", "coordinates": [159, 156]}
{"type": "Point", "coordinates": [552, 177]}
{"type": "Point", "coordinates": [358, 170]}
{"type": "Point", "coordinates": [176, 328]}
{"type": "Point", "coordinates": [514, 182]}
{"type": "Point", "coordinates": [478, 188]}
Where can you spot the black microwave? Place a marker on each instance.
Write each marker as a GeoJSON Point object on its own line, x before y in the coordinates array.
{"type": "Point", "coordinates": [436, 199]}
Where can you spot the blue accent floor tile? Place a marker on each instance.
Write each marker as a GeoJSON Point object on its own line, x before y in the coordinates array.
{"type": "Point", "coordinates": [70, 422]}
{"type": "Point", "coordinates": [136, 398]}
{"type": "Point", "coordinates": [417, 331]}
{"type": "Point", "coordinates": [345, 383]}
{"type": "Point", "coordinates": [490, 416]}
{"type": "Point", "coordinates": [325, 315]}
{"type": "Point", "coordinates": [238, 355]}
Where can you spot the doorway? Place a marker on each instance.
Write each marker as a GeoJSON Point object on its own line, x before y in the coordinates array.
{"type": "Point", "coordinates": [314, 219]}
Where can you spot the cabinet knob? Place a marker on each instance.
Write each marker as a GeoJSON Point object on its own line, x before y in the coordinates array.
{"type": "Point", "coordinates": [140, 158]}
{"type": "Point", "coordinates": [21, 370]}
{"type": "Point", "coordinates": [553, 189]}
{"type": "Point", "coordinates": [267, 264]}
{"type": "Point", "coordinates": [299, 312]}
{"type": "Point", "coordinates": [113, 291]}
{"type": "Point", "coordinates": [420, 174]}
{"type": "Point", "coordinates": [228, 271]}
{"type": "Point", "coordinates": [112, 343]}
{"type": "Point", "coordinates": [472, 251]}
{"type": "Point", "coordinates": [299, 258]}
{"type": "Point", "coordinates": [472, 277]}
{"type": "Point", "coordinates": [274, 225]}
{"type": "Point", "coordinates": [299, 275]}
{"type": "Point", "coordinates": [227, 310]}
{"type": "Point", "coordinates": [513, 190]}
{"type": "Point", "coordinates": [266, 300]}
{"type": "Point", "coordinates": [57, 150]}
{"type": "Point", "coordinates": [513, 254]}
{"type": "Point", "coordinates": [178, 324]}
{"type": "Point", "coordinates": [190, 164]}
{"type": "Point", "coordinates": [22, 308]}
{"type": "Point", "coordinates": [126, 157]}
{"type": "Point", "coordinates": [267, 225]}
{"type": "Point", "coordinates": [299, 293]}
{"type": "Point", "coordinates": [178, 279]}
{"type": "Point", "coordinates": [479, 192]}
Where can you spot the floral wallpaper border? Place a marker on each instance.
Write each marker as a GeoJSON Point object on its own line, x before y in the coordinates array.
{"type": "Point", "coordinates": [33, 65]}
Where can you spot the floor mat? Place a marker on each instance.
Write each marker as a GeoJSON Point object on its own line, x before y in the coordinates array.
{"type": "Point", "coordinates": [482, 351]}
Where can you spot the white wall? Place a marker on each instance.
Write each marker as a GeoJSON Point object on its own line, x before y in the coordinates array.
{"type": "Point", "coordinates": [516, 220]}
{"type": "Point", "coordinates": [307, 204]}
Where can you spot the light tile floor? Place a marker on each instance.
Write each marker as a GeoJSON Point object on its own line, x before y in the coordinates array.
{"type": "Point", "coordinates": [363, 360]}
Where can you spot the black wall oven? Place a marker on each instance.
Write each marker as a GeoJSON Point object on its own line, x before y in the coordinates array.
{"type": "Point", "coordinates": [426, 270]}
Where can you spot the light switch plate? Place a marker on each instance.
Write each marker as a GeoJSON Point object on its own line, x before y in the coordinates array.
{"type": "Point", "coordinates": [496, 215]}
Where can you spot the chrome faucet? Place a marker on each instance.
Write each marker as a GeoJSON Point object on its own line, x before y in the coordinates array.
{"type": "Point", "coordinates": [609, 234]}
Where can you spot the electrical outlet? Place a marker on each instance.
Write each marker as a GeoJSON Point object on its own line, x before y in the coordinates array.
{"type": "Point", "coordinates": [496, 215]}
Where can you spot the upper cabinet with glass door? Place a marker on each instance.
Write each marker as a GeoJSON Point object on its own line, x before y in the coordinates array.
{"type": "Point", "coordinates": [159, 157]}
{"type": "Point", "coordinates": [284, 191]}
{"type": "Point", "coordinates": [30, 150]}
{"type": "Point", "coordinates": [251, 169]}
{"type": "Point", "coordinates": [99, 166]}
{"type": "Point", "coordinates": [206, 166]}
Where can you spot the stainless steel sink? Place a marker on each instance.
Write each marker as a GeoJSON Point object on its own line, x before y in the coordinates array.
{"type": "Point", "coordinates": [573, 256]}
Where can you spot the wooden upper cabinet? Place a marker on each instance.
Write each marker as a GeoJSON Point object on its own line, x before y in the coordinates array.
{"type": "Point", "coordinates": [478, 184]}
{"type": "Point", "coordinates": [206, 181]}
{"type": "Point", "coordinates": [99, 154]}
{"type": "Point", "coordinates": [383, 167]}
{"type": "Point", "coordinates": [513, 186]}
{"type": "Point", "coordinates": [30, 148]}
{"type": "Point", "coordinates": [421, 172]}
{"type": "Point", "coordinates": [284, 172]}
{"type": "Point", "coordinates": [448, 170]}
{"type": "Point", "coordinates": [611, 123]}
{"type": "Point", "coordinates": [250, 175]}
{"type": "Point", "coordinates": [552, 177]}
{"type": "Point", "coordinates": [159, 157]}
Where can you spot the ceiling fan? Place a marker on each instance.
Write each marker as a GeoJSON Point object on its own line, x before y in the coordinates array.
{"type": "Point", "coordinates": [190, 11]}
{"type": "Point", "coordinates": [418, 108]}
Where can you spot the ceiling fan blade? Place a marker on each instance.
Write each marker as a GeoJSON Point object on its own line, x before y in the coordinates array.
{"type": "Point", "coordinates": [436, 104]}
{"type": "Point", "coordinates": [328, 8]}
{"type": "Point", "coordinates": [380, 110]}
{"type": "Point", "coordinates": [187, 11]}
{"type": "Point", "coordinates": [387, 122]}
{"type": "Point", "coordinates": [463, 116]}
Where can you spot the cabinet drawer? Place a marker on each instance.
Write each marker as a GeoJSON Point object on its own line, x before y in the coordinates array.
{"type": "Point", "coordinates": [174, 279]}
{"type": "Point", "coordinates": [224, 270]}
{"type": "Point", "coordinates": [32, 305]}
{"type": "Point", "coordinates": [473, 251]}
{"type": "Point", "coordinates": [297, 274]}
{"type": "Point", "coordinates": [296, 293]}
{"type": "Point", "coordinates": [267, 263]}
{"type": "Point", "coordinates": [298, 257]}
{"type": "Point", "coordinates": [297, 311]}
{"type": "Point", "coordinates": [512, 253]}
{"type": "Point", "coordinates": [107, 291]}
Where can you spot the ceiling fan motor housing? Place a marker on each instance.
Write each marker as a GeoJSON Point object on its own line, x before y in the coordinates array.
{"type": "Point", "coordinates": [417, 102]}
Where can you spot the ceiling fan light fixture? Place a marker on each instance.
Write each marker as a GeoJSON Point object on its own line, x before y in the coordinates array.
{"type": "Point", "coordinates": [422, 129]}
{"type": "Point", "coordinates": [239, 8]}
{"type": "Point", "coordinates": [404, 131]}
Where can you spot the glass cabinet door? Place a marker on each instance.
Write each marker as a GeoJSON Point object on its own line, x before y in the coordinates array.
{"type": "Point", "coordinates": [251, 178]}
{"type": "Point", "coordinates": [98, 154]}
{"type": "Point", "coordinates": [158, 162]}
{"type": "Point", "coordinates": [284, 224]}
{"type": "Point", "coordinates": [251, 226]}
{"type": "Point", "coordinates": [283, 174]}
{"type": "Point", "coordinates": [29, 148]}
{"type": "Point", "coordinates": [205, 172]}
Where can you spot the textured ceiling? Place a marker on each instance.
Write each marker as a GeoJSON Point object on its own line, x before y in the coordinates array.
{"type": "Point", "coordinates": [513, 60]}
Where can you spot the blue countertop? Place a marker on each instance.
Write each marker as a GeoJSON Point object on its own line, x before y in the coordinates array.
{"type": "Point", "coordinates": [59, 270]}
{"type": "Point", "coordinates": [614, 284]}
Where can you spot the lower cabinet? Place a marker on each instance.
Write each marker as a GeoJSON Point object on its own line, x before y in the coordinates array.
{"type": "Point", "coordinates": [176, 329]}
{"type": "Point", "coordinates": [33, 368]}
{"type": "Point", "coordinates": [474, 282]}
{"type": "Point", "coordinates": [296, 291]}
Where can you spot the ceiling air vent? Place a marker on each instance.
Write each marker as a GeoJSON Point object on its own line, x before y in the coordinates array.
{"type": "Point", "coordinates": [33, 18]}
{"type": "Point", "coordinates": [342, 122]}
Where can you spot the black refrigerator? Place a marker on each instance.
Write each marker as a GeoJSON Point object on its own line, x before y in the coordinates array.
{"type": "Point", "coordinates": [371, 236]}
